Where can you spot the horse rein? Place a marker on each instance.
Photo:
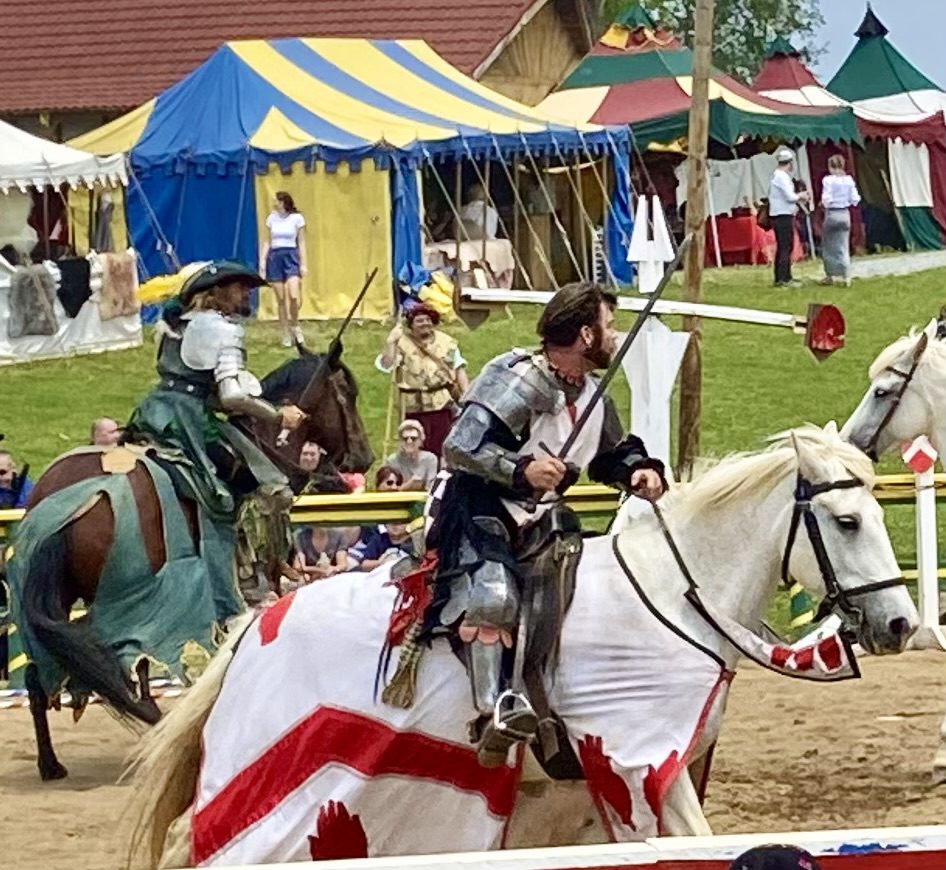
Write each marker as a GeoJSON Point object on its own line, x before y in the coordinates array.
{"type": "Point", "coordinates": [906, 378]}
{"type": "Point", "coordinates": [837, 598]}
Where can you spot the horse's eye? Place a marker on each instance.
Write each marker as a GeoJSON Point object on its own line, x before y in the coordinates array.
{"type": "Point", "coordinates": [849, 522]}
{"type": "Point", "coordinates": [881, 393]}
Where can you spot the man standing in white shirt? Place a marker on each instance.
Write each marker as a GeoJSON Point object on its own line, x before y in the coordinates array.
{"type": "Point", "coordinates": [783, 203]}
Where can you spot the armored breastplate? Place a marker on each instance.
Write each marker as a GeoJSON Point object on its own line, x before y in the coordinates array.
{"type": "Point", "coordinates": [174, 371]}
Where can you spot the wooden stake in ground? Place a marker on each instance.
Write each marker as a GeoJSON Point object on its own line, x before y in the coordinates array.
{"type": "Point", "coordinates": [691, 373]}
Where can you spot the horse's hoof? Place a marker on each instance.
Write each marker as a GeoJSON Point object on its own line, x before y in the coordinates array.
{"type": "Point", "coordinates": [50, 772]}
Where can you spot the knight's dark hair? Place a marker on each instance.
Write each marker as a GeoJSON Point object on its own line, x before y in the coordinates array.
{"type": "Point", "coordinates": [289, 204]}
{"type": "Point", "coordinates": [574, 306]}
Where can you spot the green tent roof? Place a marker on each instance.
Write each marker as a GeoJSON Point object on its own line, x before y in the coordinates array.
{"type": "Point", "coordinates": [634, 16]}
{"type": "Point", "coordinates": [781, 46]}
{"type": "Point", "coordinates": [874, 68]}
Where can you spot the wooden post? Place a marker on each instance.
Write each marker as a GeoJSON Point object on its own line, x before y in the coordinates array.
{"type": "Point", "coordinates": [691, 374]}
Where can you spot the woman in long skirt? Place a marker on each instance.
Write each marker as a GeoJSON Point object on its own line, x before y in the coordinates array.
{"type": "Point", "coordinates": [838, 195]}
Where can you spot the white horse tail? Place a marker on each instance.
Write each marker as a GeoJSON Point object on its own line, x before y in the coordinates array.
{"type": "Point", "coordinates": [165, 764]}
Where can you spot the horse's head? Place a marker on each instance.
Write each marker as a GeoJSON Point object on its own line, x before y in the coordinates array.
{"type": "Point", "coordinates": [333, 422]}
{"type": "Point", "coordinates": [841, 551]}
{"type": "Point", "coordinates": [898, 405]}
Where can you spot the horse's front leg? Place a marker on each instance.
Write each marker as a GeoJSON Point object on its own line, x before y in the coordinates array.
{"type": "Point", "coordinates": [144, 687]}
{"type": "Point", "coordinates": [681, 814]}
{"type": "Point", "coordinates": [49, 766]}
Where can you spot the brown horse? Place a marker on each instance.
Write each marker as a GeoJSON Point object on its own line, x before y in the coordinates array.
{"type": "Point", "coordinates": [70, 563]}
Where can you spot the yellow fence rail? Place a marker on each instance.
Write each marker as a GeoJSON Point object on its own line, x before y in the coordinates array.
{"type": "Point", "coordinates": [589, 500]}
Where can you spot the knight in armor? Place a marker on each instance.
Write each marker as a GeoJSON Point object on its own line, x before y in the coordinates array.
{"type": "Point", "coordinates": [500, 507]}
{"type": "Point", "coordinates": [203, 382]}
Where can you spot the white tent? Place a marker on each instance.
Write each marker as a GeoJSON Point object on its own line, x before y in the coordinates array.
{"type": "Point", "coordinates": [28, 161]}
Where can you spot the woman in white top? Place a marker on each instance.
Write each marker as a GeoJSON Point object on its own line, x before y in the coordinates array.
{"type": "Point", "coordinates": [283, 262]}
{"type": "Point", "coordinates": [838, 195]}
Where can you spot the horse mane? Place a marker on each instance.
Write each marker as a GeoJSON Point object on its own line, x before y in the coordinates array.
{"type": "Point", "coordinates": [746, 474]}
{"type": "Point", "coordinates": [292, 377]}
{"type": "Point", "coordinates": [935, 352]}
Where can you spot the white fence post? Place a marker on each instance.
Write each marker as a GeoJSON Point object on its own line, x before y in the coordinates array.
{"type": "Point", "coordinates": [921, 457]}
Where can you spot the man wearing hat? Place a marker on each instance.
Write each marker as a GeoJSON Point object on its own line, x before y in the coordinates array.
{"type": "Point", "coordinates": [501, 496]}
{"type": "Point", "coordinates": [783, 203]}
{"type": "Point", "coordinates": [203, 379]}
{"type": "Point", "coordinates": [429, 371]}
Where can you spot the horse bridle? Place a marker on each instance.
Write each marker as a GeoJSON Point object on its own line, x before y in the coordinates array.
{"type": "Point", "coordinates": [906, 378]}
{"type": "Point", "coordinates": [837, 597]}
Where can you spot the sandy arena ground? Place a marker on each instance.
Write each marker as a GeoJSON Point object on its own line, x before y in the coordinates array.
{"type": "Point", "coordinates": [793, 755]}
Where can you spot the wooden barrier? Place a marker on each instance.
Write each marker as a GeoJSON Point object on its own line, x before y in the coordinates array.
{"type": "Point", "coordinates": [588, 500]}
{"type": "Point", "coordinates": [868, 849]}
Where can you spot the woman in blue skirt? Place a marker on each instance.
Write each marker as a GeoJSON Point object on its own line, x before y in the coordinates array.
{"type": "Point", "coordinates": [283, 262]}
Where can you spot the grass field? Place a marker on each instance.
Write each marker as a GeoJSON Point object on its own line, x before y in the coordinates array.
{"type": "Point", "coordinates": [757, 380]}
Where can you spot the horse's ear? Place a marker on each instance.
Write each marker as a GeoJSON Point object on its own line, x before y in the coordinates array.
{"type": "Point", "coordinates": [831, 429]}
{"type": "Point", "coordinates": [809, 467]}
{"type": "Point", "coordinates": [923, 341]}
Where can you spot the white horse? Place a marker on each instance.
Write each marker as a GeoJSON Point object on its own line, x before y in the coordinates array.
{"type": "Point", "coordinates": [282, 752]}
{"type": "Point", "coordinates": [905, 399]}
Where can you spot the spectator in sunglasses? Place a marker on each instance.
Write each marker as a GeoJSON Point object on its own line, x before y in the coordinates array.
{"type": "Point", "coordinates": [417, 466]}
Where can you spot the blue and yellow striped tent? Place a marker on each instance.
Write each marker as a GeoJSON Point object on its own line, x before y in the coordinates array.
{"type": "Point", "coordinates": [341, 124]}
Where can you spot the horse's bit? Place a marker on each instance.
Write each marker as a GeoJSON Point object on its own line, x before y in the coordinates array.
{"type": "Point", "coordinates": [837, 598]}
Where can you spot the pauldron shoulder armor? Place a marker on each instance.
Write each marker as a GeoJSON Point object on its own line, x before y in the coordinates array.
{"type": "Point", "coordinates": [512, 387]}
{"type": "Point", "coordinates": [211, 339]}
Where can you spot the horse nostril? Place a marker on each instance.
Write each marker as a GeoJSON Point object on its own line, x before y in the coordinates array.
{"type": "Point", "coordinates": [900, 627]}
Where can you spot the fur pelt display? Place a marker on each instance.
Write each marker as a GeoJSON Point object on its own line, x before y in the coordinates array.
{"type": "Point", "coordinates": [32, 302]}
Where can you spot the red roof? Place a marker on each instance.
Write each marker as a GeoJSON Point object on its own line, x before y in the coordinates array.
{"type": "Point", "coordinates": [86, 54]}
{"type": "Point", "coordinates": [784, 73]}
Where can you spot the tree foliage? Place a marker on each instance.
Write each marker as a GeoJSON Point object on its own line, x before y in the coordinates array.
{"type": "Point", "coordinates": [742, 28]}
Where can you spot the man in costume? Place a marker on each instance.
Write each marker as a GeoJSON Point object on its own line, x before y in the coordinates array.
{"type": "Point", "coordinates": [429, 371]}
{"type": "Point", "coordinates": [502, 501]}
{"type": "Point", "coordinates": [204, 381]}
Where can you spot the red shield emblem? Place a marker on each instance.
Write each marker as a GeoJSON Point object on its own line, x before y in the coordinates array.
{"type": "Point", "coordinates": [825, 331]}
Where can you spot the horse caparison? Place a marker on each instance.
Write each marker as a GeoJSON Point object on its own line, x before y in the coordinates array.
{"type": "Point", "coordinates": [70, 563]}
{"type": "Point", "coordinates": [260, 754]}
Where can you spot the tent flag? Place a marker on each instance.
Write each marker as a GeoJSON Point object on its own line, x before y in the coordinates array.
{"type": "Point", "coordinates": [406, 222]}
{"type": "Point", "coordinates": [619, 224]}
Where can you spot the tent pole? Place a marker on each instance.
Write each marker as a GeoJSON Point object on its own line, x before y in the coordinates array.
{"type": "Point", "coordinates": [691, 372]}
{"type": "Point", "coordinates": [515, 219]}
{"type": "Point", "coordinates": [458, 224]}
{"type": "Point", "coordinates": [487, 162]}
{"type": "Point", "coordinates": [499, 218]}
{"type": "Point", "coordinates": [580, 197]}
{"type": "Point", "coordinates": [46, 221]}
{"type": "Point", "coordinates": [537, 242]}
{"type": "Point", "coordinates": [712, 205]}
{"type": "Point", "coordinates": [91, 216]}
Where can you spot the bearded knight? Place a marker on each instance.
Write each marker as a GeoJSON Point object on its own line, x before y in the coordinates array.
{"type": "Point", "coordinates": [502, 497]}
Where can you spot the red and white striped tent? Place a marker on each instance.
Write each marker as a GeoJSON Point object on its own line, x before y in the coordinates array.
{"type": "Point", "coordinates": [902, 168]}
